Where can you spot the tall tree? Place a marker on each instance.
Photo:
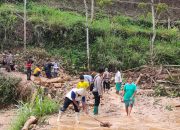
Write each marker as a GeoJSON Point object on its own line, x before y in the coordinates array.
{"type": "Point", "coordinates": [7, 19]}
{"type": "Point", "coordinates": [92, 10]}
{"type": "Point", "coordinates": [87, 35]}
{"type": "Point", "coordinates": [25, 20]}
{"type": "Point", "coordinates": [154, 33]}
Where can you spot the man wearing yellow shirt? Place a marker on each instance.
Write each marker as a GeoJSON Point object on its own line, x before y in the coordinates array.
{"type": "Point", "coordinates": [82, 84]}
{"type": "Point", "coordinates": [37, 71]}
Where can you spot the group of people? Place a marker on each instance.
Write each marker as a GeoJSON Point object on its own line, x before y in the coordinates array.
{"type": "Point", "coordinates": [51, 68]}
{"type": "Point", "coordinates": [98, 84]}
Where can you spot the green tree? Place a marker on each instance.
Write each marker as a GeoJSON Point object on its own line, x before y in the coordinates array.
{"type": "Point", "coordinates": [7, 20]}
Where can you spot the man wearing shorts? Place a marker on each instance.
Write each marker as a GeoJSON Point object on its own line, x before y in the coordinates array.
{"type": "Point", "coordinates": [129, 93]}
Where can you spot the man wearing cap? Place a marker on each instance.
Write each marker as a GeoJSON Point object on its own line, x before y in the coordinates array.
{"type": "Point", "coordinates": [74, 97]}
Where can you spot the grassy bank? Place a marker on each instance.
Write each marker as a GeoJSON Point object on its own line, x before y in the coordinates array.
{"type": "Point", "coordinates": [39, 107]}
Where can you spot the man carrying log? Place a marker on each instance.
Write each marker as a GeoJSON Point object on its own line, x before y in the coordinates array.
{"type": "Point", "coordinates": [74, 97]}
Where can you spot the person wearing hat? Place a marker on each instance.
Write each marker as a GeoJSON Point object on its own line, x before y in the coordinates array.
{"type": "Point", "coordinates": [74, 97]}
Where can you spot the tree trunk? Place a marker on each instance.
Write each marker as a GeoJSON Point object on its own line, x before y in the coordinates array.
{"type": "Point", "coordinates": [92, 10]}
{"type": "Point", "coordinates": [87, 36]}
{"type": "Point", "coordinates": [5, 39]}
{"type": "Point", "coordinates": [154, 33]}
{"type": "Point", "coordinates": [169, 23]}
{"type": "Point", "coordinates": [25, 19]}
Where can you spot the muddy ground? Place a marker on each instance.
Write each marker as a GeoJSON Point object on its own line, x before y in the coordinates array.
{"type": "Point", "coordinates": [149, 113]}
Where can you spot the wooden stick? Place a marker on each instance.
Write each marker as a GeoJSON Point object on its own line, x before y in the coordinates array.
{"type": "Point", "coordinates": [171, 65]}
{"type": "Point", "coordinates": [96, 119]}
{"type": "Point", "coordinates": [177, 106]}
{"type": "Point", "coordinates": [169, 74]}
{"type": "Point", "coordinates": [165, 81]}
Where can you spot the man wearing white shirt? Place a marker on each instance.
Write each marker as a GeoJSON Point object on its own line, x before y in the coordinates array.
{"type": "Point", "coordinates": [118, 81]}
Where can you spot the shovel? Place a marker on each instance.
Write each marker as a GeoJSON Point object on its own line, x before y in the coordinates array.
{"type": "Point", "coordinates": [103, 124]}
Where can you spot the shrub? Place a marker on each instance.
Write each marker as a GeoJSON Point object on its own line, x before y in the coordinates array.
{"type": "Point", "coordinates": [8, 91]}
{"type": "Point", "coordinates": [40, 107]}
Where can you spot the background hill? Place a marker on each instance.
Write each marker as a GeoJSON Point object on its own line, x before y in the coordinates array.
{"type": "Point", "coordinates": [119, 34]}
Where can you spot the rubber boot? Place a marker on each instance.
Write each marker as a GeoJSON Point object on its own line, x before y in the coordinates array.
{"type": "Point", "coordinates": [59, 115]}
{"type": "Point", "coordinates": [95, 110]}
{"type": "Point", "coordinates": [77, 117]}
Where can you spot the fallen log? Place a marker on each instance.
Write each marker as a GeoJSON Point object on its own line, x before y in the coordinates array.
{"type": "Point", "coordinates": [165, 81]}
{"type": "Point", "coordinates": [171, 65]}
{"type": "Point", "coordinates": [55, 80]}
{"type": "Point", "coordinates": [136, 68]}
{"type": "Point", "coordinates": [57, 85]}
{"type": "Point", "coordinates": [31, 120]}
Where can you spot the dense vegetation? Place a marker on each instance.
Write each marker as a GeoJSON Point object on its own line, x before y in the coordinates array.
{"type": "Point", "coordinates": [114, 40]}
{"type": "Point", "coordinates": [8, 90]}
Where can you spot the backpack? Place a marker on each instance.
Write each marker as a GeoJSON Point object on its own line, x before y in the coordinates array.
{"type": "Point", "coordinates": [92, 85]}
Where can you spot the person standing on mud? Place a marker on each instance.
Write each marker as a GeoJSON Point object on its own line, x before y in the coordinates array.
{"type": "Point", "coordinates": [47, 69]}
{"type": "Point", "coordinates": [118, 80]}
{"type": "Point", "coordinates": [55, 69]}
{"type": "Point", "coordinates": [74, 96]}
{"type": "Point", "coordinates": [9, 61]}
{"type": "Point", "coordinates": [4, 59]}
{"type": "Point", "coordinates": [129, 93]}
{"type": "Point", "coordinates": [28, 67]}
{"type": "Point", "coordinates": [106, 82]}
{"type": "Point", "coordinates": [98, 89]}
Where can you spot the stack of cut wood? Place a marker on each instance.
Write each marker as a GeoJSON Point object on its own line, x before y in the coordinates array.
{"type": "Point", "coordinates": [58, 82]}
